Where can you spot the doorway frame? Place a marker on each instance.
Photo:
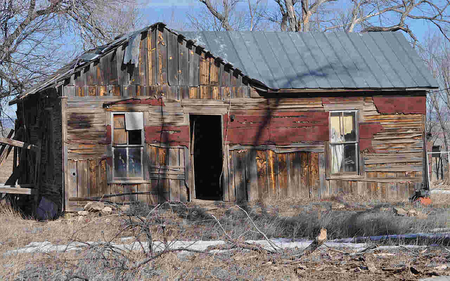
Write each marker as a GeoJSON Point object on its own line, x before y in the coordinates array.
{"type": "Point", "coordinates": [225, 154]}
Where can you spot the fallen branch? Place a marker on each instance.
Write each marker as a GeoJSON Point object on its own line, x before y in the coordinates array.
{"type": "Point", "coordinates": [314, 245]}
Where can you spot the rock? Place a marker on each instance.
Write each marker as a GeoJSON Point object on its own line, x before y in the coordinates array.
{"type": "Point", "coordinates": [83, 213]}
{"type": "Point", "coordinates": [47, 210]}
{"type": "Point", "coordinates": [339, 206]}
{"type": "Point", "coordinates": [125, 208]}
{"type": "Point", "coordinates": [94, 206]}
{"type": "Point", "coordinates": [107, 220]}
{"type": "Point", "coordinates": [107, 211]}
{"type": "Point", "coordinates": [412, 213]}
{"type": "Point", "coordinates": [400, 211]}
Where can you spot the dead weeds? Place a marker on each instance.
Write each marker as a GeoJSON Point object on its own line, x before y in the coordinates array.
{"type": "Point", "coordinates": [220, 221]}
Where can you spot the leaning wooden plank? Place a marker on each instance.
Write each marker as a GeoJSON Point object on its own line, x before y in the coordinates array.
{"type": "Point", "coordinates": [19, 144]}
{"type": "Point", "coordinates": [17, 190]}
{"type": "Point", "coordinates": [5, 154]}
{"type": "Point", "coordinates": [5, 145]}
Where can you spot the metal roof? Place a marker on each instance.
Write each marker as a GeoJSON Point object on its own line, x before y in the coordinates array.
{"type": "Point", "coordinates": [313, 60]}
{"type": "Point", "coordinates": [290, 60]}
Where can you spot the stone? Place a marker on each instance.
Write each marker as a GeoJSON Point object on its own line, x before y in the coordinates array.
{"type": "Point", "coordinates": [94, 206]}
{"type": "Point", "coordinates": [47, 210]}
{"type": "Point", "coordinates": [107, 211]}
{"type": "Point", "coordinates": [83, 213]}
{"type": "Point", "coordinates": [412, 213]}
{"type": "Point", "coordinates": [125, 208]}
{"type": "Point", "coordinates": [400, 211]}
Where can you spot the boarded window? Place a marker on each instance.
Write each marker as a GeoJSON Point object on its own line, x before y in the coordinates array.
{"type": "Point", "coordinates": [128, 145]}
{"type": "Point", "coordinates": [343, 142]}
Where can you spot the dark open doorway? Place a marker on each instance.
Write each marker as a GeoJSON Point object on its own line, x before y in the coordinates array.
{"type": "Point", "coordinates": [206, 143]}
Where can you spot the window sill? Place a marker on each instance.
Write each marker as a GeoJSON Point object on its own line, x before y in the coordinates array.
{"type": "Point", "coordinates": [138, 181]}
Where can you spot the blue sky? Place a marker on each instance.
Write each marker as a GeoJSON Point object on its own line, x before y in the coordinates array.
{"type": "Point", "coordinates": [174, 13]}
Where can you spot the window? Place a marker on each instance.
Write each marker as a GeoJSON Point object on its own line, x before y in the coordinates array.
{"type": "Point", "coordinates": [127, 145]}
{"type": "Point", "coordinates": [343, 142]}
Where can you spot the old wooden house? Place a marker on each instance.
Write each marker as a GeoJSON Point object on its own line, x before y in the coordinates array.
{"type": "Point", "coordinates": [160, 115]}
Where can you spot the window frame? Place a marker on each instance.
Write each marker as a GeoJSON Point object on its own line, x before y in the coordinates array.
{"type": "Point", "coordinates": [127, 146]}
{"type": "Point", "coordinates": [355, 142]}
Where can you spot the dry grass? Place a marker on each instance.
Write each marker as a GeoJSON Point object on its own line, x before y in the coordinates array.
{"type": "Point", "coordinates": [194, 221]}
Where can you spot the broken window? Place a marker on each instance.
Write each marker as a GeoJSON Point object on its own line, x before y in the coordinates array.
{"type": "Point", "coordinates": [127, 145]}
{"type": "Point", "coordinates": [343, 142]}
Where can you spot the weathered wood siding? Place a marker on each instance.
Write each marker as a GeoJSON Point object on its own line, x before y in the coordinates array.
{"type": "Point", "coordinates": [275, 146]}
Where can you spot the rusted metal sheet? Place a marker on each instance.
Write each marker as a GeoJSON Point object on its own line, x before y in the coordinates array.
{"type": "Point", "coordinates": [400, 104]}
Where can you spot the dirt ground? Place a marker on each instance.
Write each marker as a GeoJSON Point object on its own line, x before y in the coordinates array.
{"type": "Point", "coordinates": [203, 220]}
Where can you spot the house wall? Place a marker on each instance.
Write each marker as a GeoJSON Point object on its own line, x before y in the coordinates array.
{"type": "Point", "coordinates": [274, 146]}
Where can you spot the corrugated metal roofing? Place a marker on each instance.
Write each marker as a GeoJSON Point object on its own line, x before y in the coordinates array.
{"type": "Point", "coordinates": [313, 60]}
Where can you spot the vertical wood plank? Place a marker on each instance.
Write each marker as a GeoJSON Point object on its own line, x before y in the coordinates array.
{"type": "Point", "coordinates": [151, 59]}
{"type": "Point", "coordinates": [232, 161]}
{"type": "Point", "coordinates": [183, 75]}
{"type": "Point", "coordinates": [162, 55]}
{"type": "Point", "coordinates": [72, 183]}
{"type": "Point", "coordinates": [283, 175]}
{"type": "Point", "coordinates": [323, 190]}
{"type": "Point", "coordinates": [82, 172]}
{"type": "Point", "coordinates": [194, 61]}
{"type": "Point", "coordinates": [304, 175]}
{"type": "Point", "coordinates": [314, 175]}
{"type": "Point", "coordinates": [92, 174]}
{"type": "Point", "coordinates": [194, 93]}
{"type": "Point", "coordinates": [261, 163]}
{"type": "Point", "coordinates": [172, 60]}
{"type": "Point", "coordinates": [293, 176]}
{"type": "Point", "coordinates": [239, 175]}
{"type": "Point", "coordinates": [226, 174]}
{"type": "Point", "coordinates": [252, 175]}
{"type": "Point", "coordinates": [271, 162]}
{"type": "Point", "coordinates": [214, 71]}
{"type": "Point", "coordinates": [204, 69]}
{"type": "Point", "coordinates": [102, 178]}
{"type": "Point", "coordinates": [144, 192]}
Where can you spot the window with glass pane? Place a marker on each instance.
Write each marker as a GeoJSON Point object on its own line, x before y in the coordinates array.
{"type": "Point", "coordinates": [127, 145]}
{"type": "Point", "coordinates": [343, 142]}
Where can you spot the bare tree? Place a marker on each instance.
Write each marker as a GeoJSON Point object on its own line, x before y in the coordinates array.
{"type": "Point", "coordinates": [33, 33]}
{"type": "Point", "coordinates": [230, 15]}
{"type": "Point", "coordinates": [349, 15]}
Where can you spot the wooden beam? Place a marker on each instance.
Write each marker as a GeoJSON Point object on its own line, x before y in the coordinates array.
{"type": "Point", "coordinates": [19, 144]}
{"type": "Point", "coordinates": [16, 190]}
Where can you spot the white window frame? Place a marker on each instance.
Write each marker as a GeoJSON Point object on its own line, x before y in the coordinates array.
{"type": "Point", "coordinates": [356, 142]}
{"type": "Point", "coordinates": [127, 147]}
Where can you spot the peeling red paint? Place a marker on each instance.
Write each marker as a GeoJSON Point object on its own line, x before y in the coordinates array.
{"type": "Point", "coordinates": [173, 135]}
{"type": "Point", "coordinates": [281, 128]}
{"type": "Point", "coordinates": [366, 133]}
{"type": "Point", "coordinates": [396, 104]}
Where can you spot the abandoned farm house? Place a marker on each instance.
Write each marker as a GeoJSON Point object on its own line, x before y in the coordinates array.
{"type": "Point", "coordinates": [160, 115]}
